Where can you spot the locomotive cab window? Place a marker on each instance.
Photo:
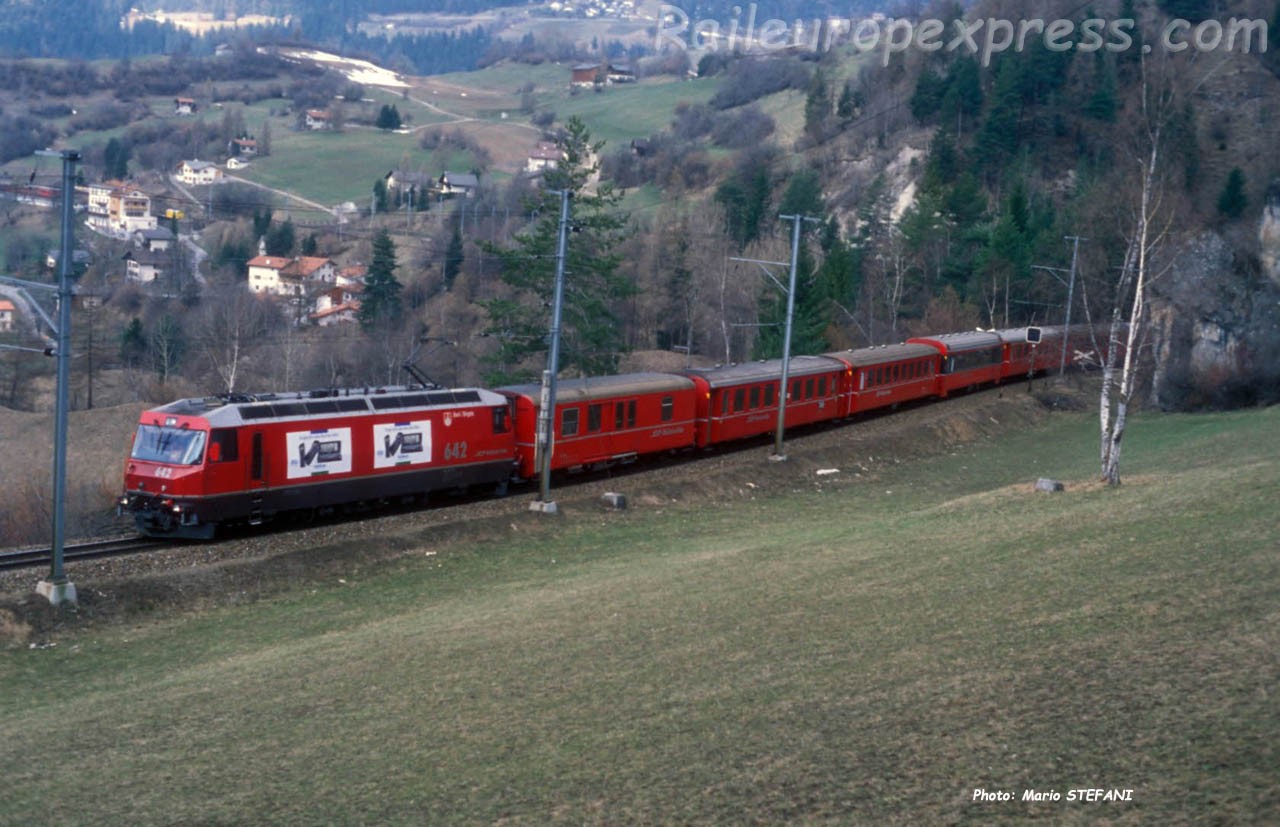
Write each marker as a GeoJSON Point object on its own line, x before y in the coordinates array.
{"type": "Point", "coordinates": [501, 419]}
{"type": "Point", "coordinates": [172, 446]}
{"type": "Point", "coordinates": [569, 422]}
{"type": "Point", "coordinates": [222, 445]}
{"type": "Point", "coordinates": [668, 408]}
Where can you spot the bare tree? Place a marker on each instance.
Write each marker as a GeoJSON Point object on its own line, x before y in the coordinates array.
{"type": "Point", "coordinates": [234, 321]}
{"type": "Point", "coordinates": [1150, 220]}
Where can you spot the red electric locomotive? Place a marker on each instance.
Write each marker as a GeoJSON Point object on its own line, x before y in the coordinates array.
{"type": "Point", "coordinates": [200, 463]}
{"type": "Point", "coordinates": [605, 419]}
{"type": "Point", "coordinates": [741, 401]}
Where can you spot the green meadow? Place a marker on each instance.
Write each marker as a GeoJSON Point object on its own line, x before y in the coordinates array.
{"type": "Point", "coordinates": [857, 650]}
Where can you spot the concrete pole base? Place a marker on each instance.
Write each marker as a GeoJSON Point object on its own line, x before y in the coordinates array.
{"type": "Point", "coordinates": [57, 592]}
{"type": "Point", "coordinates": [544, 507]}
{"type": "Point", "coordinates": [777, 457]}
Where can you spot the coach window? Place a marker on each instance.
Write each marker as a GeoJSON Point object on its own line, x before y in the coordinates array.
{"type": "Point", "coordinates": [668, 408]}
{"type": "Point", "coordinates": [739, 396]}
{"type": "Point", "coordinates": [222, 445]}
{"type": "Point", "coordinates": [768, 396]}
{"type": "Point", "coordinates": [822, 386]}
{"type": "Point", "coordinates": [595, 415]}
{"type": "Point", "coordinates": [619, 416]}
{"type": "Point", "coordinates": [631, 414]}
{"type": "Point", "coordinates": [569, 422]}
{"type": "Point", "coordinates": [795, 391]}
{"type": "Point", "coordinates": [755, 397]}
{"type": "Point", "coordinates": [808, 389]}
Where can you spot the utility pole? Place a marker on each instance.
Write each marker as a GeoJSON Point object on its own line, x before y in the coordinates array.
{"type": "Point", "coordinates": [1071, 287]}
{"type": "Point", "coordinates": [547, 401]}
{"type": "Point", "coordinates": [58, 589]}
{"type": "Point", "coordinates": [779, 455]}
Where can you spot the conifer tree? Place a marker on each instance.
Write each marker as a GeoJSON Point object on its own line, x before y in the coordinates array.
{"type": "Point", "coordinates": [591, 337]}
{"type": "Point", "coordinates": [381, 303]}
{"type": "Point", "coordinates": [1233, 200]}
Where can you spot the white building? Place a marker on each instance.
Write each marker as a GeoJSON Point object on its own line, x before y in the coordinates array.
{"type": "Point", "coordinates": [199, 172]}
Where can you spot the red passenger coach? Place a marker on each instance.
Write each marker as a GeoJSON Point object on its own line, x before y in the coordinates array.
{"type": "Point", "coordinates": [741, 401]}
{"type": "Point", "coordinates": [887, 375]}
{"type": "Point", "coordinates": [1023, 357]}
{"type": "Point", "coordinates": [968, 359]}
{"type": "Point", "coordinates": [200, 463]}
{"type": "Point", "coordinates": [605, 419]}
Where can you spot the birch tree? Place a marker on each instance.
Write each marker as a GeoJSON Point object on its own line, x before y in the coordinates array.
{"type": "Point", "coordinates": [1150, 221]}
{"type": "Point", "coordinates": [233, 323]}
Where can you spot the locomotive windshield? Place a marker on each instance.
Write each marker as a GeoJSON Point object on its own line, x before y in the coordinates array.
{"type": "Point", "coordinates": [172, 446]}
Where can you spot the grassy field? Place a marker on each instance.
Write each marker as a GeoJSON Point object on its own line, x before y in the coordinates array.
{"type": "Point", "coordinates": [863, 650]}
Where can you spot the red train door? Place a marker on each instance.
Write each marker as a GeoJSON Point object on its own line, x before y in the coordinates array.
{"type": "Point", "coordinates": [256, 484]}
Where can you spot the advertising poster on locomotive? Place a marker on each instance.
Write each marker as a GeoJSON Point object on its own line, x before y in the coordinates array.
{"type": "Point", "coordinates": [401, 443]}
{"type": "Point", "coordinates": [319, 453]}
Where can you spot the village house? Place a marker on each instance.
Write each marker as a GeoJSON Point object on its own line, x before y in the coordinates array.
{"type": "Point", "coordinates": [184, 106]}
{"type": "Point", "coordinates": [401, 182]}
{"type": "Point", "coordinates": [265, 276]}
{"type": "Point", "coordinates": [300, 280]}
{"type": "Point", "coordinates": [585, 75]}
{"type": "Point", "coordinates": [620, 73]}
{"type": "Point", "coordinates": [8, 314]}
{"type": "Point", "coordinates": [318, 119]}
{"type": "Point", "coordinates": [242, 146]}
{"type": "Point", "coordinates": [312, 271]}
{"type": "Point", "coordinates": [98, 198]}
{"type": "Point", "coordinates": [237, 162]}
{"type": "Point", "coordinates": [154, 239]}
{"type": "Point", "coordinates": [337, 305]}
{"type": "Point", "coordinates": [198, 173]}
{"type": "Point", "coordinates": [458, 183]}
{"type": "Point", "coordinates": [144, 266]}
{"type": "Point", "coordinates": [352, 274]}
{"type": "Point", "coordinates": [546, 155]}
{"type": "Point", "coordinates": [129, 209]}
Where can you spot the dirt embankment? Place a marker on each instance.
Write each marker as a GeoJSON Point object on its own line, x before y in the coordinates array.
{"type": "Point", "coordinates": [193, 576]}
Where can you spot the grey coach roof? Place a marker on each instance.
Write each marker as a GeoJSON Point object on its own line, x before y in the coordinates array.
{"type": "Point", "coordinates": [605, 387]}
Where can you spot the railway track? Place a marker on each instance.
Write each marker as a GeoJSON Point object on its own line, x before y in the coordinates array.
{"type": "Point", "coordinates": [30, 558]}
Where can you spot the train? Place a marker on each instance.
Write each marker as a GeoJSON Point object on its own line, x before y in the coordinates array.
{"type": "Point", "coordinates": [198, 465]}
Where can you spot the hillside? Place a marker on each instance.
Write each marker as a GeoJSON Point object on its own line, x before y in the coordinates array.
{"type": "Point", "coordinates": [946, 188]}
{"type": "Point", "coordinates": [874, 646]}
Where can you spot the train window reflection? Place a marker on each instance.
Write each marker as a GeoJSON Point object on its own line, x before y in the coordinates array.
{"type": "Point", "coordinates": [172, 446]}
